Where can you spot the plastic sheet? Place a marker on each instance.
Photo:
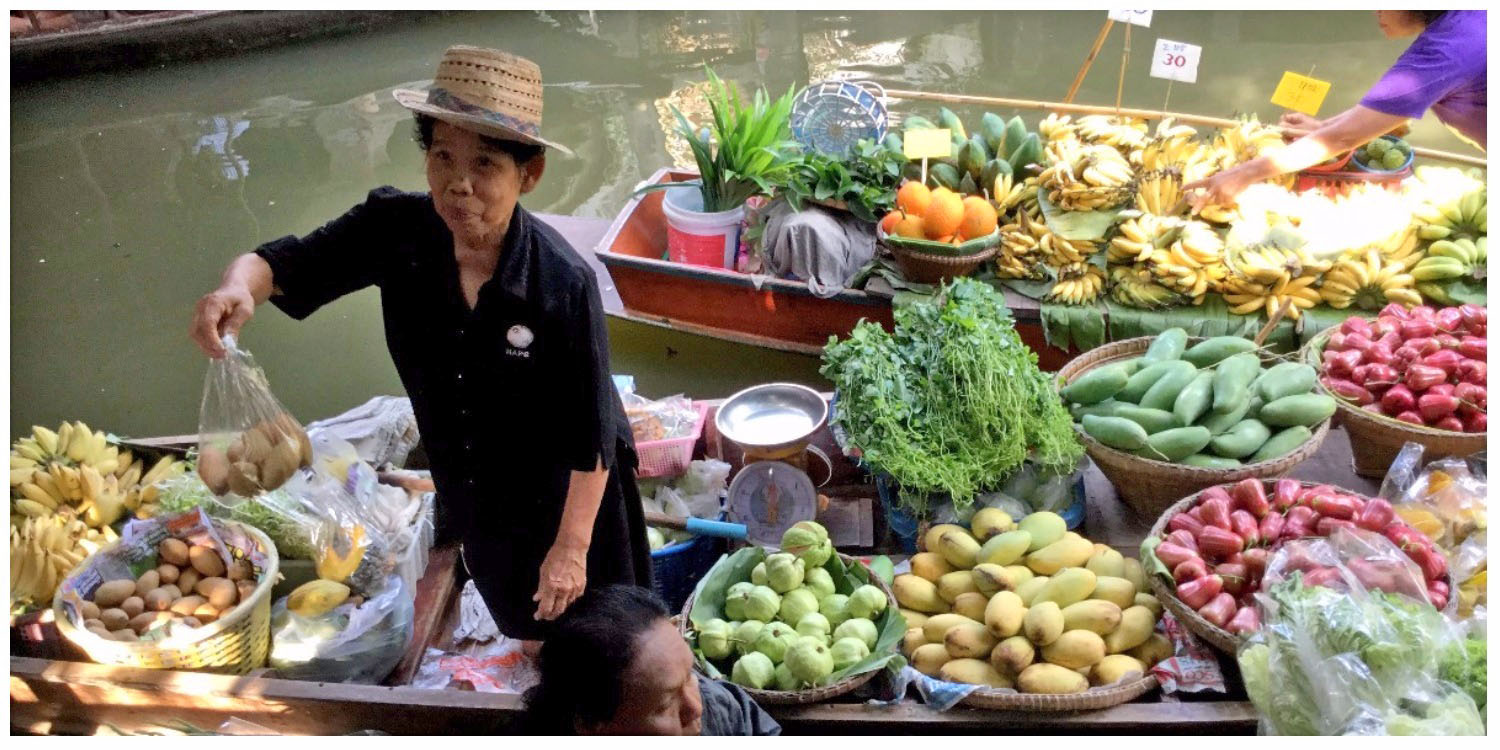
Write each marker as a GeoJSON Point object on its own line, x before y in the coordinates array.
{"type": "Point", "coordinates": [698, 493]}
{"type": "Point", "coordinates": [494, 667]}
{"type": "Point", "coordinates": [382, 430]}
{"type": "Point", "coordinates": [350, 643]}
{"type": "Point", "coordinates": [1344, 658]}
{"type": "Point", "coordinates": [247, 441]}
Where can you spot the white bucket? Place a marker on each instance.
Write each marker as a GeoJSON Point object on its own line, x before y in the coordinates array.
{"type": "Point", "coordinates": [697, 238]}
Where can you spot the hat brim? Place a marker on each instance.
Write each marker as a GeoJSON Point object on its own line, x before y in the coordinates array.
{"type": "Point", "coordinates": [416, 101]}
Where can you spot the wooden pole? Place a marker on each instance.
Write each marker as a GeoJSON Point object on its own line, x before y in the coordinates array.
{"type": "Point", "coordinates": [1089, 61]}
{"type": "Point", "coordinates": [1124, 58]}
{"type": "Point", "coordinates": [1146, 114]}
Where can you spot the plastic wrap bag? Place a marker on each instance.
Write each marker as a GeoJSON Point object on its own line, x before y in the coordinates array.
{"type": "Point", "coordinates": [1338, 657]}
{"type": "Point", "coordinates": [1348, 560]}
{"type": "Point", "coordinates": [1447, 501]}
{"type": "Point", "coordinates": [698, 493]}
{"type": "Point", "coordinates": [664, 419]}
{"type": "Point", "coordinates": [349, 643]}
{"type": "Point", "coordinates": [382, 430]}
{"type": "Point", "coordinates": [247, 441]}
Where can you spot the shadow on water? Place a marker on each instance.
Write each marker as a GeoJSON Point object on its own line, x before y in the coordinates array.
{"type": "Point", "coordinates": [131, 191]}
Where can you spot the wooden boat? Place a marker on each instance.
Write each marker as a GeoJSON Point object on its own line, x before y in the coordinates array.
{"type": "Point", "coordinates": [777, 314]}
{"type": "Point", "coordinates": [59, 692]}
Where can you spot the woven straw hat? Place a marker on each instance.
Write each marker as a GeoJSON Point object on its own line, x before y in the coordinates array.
{"type": "Point", "coordinates": [487, 91]}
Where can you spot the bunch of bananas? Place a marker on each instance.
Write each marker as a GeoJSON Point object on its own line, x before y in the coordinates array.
{"type": "Point", "coordinates": [1369, 281]}
{"type": "Point", "coordinates": [1245, 297]}
{"type": "Point", "coordinates": [1193, 264]}
{"type": "Point", "coordinates": [42, 553]}
{"type": "Point", "coordinates": [1087, 178]}
{"type": "Point", "coordinates": [75, 472]}
{"type": "Point", "coordinates": [1056, 127]}
{"type": "Point", "coordinates": [1404, 247]}
{"type": "Point", "coordinates": [1451, 259]}
{"type": "Point", "coordinates": [1139, 236]}
{"type": "Point", "coordinates": [1176, 148]}
{"type": "Point", "coordinates": [1466, 217]}
{"type": "Point", "coordinates": [1215, 213]}
{"type": "Point", "coordinates": [1133, 285]}
{"type": "Point", "coordinates": [1123, 133]}
{"type": "Point", "coordinates": [1244, 141]}
{"type": "Point", "coordinates": [1020, 255]}
{"type": "Point", "coordinates": [1077, 284]}
{"type": "Point", "coordinates": [1271, 265]}
{"type": "Point", "coordinates": [1007, 194]}
{"type": "Point", "coordinates": [1158, 192]}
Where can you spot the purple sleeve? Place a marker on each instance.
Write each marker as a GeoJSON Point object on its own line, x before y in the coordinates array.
{"type": "Point", "coordinates": [1425, 73]}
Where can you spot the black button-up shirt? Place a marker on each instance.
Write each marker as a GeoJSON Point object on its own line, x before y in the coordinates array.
{"type": "Point", "coordinates": [510, 396]}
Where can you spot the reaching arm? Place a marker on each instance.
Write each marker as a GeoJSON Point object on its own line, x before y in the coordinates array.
{"type": "Point", "coordinates": [247, 282]}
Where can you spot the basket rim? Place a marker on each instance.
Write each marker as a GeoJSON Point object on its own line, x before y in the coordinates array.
{"type": "Point", "coordinates": [90, 641]}
{"type": "Point", "coordinates": [809, 695]}
{"type": "Point", "coordinates": [1123, 349]}
{"type": "Point", "coordinates": [947, 260]}
{"type": "Point", "coordinates": [1312, 355]}
{"type": "Point", "coordinates": [1093, 699]}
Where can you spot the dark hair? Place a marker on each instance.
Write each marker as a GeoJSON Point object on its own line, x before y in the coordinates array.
{"type": "Point", "coordinates": [583, 661]}
{"type": "Point", "coordinates": [519, 152]}
{"type": "Point", "coordinates": [1427, 16]}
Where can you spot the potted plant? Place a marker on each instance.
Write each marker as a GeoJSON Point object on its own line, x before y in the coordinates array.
{"type": "Point", "coordinates": [746, 151]}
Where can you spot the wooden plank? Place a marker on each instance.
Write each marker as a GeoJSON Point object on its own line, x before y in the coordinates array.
{"type": "Point", "coordinates": [435, 592]}
{"type": "Point", "coordinates": [1152, 718]}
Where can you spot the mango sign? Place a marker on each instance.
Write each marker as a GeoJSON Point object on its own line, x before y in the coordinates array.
{"type": "Point", "coordinates": [926, 144]}
{"type": "Point", "coordinates": [1300, 93]}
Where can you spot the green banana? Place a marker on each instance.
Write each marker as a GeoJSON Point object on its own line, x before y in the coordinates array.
{"type": "Point", "coordinates": [1438, 268]}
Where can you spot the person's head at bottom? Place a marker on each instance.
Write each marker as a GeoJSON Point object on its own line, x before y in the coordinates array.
{"type": "Point", "coordinates": [614, 664]}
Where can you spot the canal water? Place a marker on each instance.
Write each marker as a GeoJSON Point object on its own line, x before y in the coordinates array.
{"type": "Point", "coordinates": [131, 191]}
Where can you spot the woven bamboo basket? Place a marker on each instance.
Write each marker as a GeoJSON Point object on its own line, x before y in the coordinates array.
{"type": "Point", "coordinates": [1216, 636]}
{"type": "Point", "coordinates": [925, 268]}
{"type": "Point", "coordinates": [1149, 486]}
{"type": "Point", "coordinates": [1376, 439]}
{"type": "Point", "coordinates": [810, 695]}
{"type": "Point", "coordinates": [1089, 700]}
{"type": "Point", "coordinates": [234, 644]}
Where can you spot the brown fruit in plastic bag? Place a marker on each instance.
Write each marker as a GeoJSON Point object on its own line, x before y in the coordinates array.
{"type": "Point", "coordinates": [213, 469]}
{"type": "Point", "coordinates": [244, 479]}
{"type": "Point", "coordinates": [257, 445]}
{"type": "Point", "coordinates": [280, 464]}
{"type": "Point", "coordinates": [289, 426]}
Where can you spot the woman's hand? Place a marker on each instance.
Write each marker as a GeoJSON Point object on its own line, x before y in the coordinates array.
{"type": "Point", "coordinates": [224, 310]}
{"type": "Point", "coordinates": [1223, 188]}
{"type": "Point", "coordinates": [1299, 121]}
{"type": "Point", "coordinates": [562, 578]}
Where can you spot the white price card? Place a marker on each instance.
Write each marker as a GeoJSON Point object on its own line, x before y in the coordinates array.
{"type": "Point", "coordinates": [1176, 61]}
{"type": "Point", "coordinates": [1132, 17]}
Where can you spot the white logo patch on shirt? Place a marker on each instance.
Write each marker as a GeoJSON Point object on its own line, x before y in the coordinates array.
{"type": "Point", "coordinates": [519, 337]}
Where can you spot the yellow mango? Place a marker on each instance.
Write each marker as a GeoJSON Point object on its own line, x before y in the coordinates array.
{"type": "Point", "coordinates": [1068, 552]}
{"type": "Point", "coordinates": [1117, 590]}
{"type": "Point", "coordinates": [1004, 614]}
{"type": "Point", "coordinates": [1074, 649]}
{"type": "Point", "coordinates": [1136, 624]}
{"type": "Point", "coordinates": [1069, 586]}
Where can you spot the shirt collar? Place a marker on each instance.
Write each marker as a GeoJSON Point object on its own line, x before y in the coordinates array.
{"type": "Point", "coordinates": [513, 274]}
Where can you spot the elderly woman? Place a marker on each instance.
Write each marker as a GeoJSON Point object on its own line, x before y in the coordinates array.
{"type": "Point", "coordinates": [1443, 70]}
{"type": "Point", "coordinates": [496, 329]}
{"type": "Point", "coordinates": [617, 665]}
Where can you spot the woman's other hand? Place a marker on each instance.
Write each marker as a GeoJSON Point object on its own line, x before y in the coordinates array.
{"type": "Point", "coordinates": [1222, 188]}
{"type": "Point", "coordinates": [562, 579]}
{"type": "Point", "coordinates": [1299, 121]}
{"type": "Point", "coordinates": [224, 310]}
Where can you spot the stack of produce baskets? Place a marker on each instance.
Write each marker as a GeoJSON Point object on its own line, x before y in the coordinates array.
{"type": "Point", "coordinates": [1148, 485]}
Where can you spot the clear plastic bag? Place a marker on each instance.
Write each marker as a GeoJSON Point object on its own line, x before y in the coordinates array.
{"type": "Point", "coordinates": [667, 418]}
{"type": "Point", "coordinates": [1338, 657]}
{"type": "Point", "coordinates": [247, 441]}
{"type": "Point", "coordinates": [1447, 501]}
{"type": "Point", "coordinates": [349, 643]}
{"type": "Point", "coordinates": [1348, 560]}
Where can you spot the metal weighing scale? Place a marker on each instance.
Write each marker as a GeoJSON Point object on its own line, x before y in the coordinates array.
{"type": "Point", "coordinates": [773, 424]}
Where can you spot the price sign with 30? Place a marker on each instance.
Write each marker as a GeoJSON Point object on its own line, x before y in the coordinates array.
{"type": "Point", "coordinates": [1176, 61]}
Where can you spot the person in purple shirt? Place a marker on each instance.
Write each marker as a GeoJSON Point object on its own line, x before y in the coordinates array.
{"type": "Point", "coordinates": [1443, 70]}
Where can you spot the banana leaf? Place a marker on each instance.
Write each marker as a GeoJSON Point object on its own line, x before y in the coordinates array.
{"type": "Point", "coordinates": [1212, 318]}
{"type": "Point", "coordinates": [1078, 327]}
{"type": "Point", "coordinates": [708, 603]}
{"type": "Point", "coordinates": [1090, 226]}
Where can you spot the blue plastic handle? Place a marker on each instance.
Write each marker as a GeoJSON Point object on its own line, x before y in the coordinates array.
{"type": "Point", "coordinates": [723, 529]}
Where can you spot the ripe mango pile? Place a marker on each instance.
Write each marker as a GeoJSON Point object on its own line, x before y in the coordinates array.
{"type": "Point", "coordinates": [1029, 605]}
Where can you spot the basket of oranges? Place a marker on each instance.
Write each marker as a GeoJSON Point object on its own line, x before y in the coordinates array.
{"type": "Point", "coordinates": [937, 235]}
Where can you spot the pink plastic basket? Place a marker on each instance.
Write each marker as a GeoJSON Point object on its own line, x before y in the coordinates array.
{"type": "Point", "coordinates": [670, 457]}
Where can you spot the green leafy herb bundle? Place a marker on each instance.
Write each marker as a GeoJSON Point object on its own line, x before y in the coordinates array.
{"type": "Point", "coordinates": [865, 179]}
{"type": "Point", "coordinates": [952, 402]}
{"type": "Point", "coordinates": [746, 151]}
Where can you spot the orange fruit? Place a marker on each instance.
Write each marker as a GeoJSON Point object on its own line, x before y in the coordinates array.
{"type": "Point", "coordinates": [913, 198]}
{"type": "Point", "coordinates": [979, 219]}
{"type": "Point", "coordinates": [944, 215]}
{"type": "Point", "coordinates": [909, 226]}
{"type": "Point", "coordinates": [888, 224]}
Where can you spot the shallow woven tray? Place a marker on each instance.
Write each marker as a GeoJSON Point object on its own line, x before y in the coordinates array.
{"type": "Point", "coordinates": [1376, 439]}
{"type": "Point", "coordinates": [1089, 700]}
{"type": "Point", "coordinates": [1149, 486]}
{"type": "Point", "coordinates": [810, 695]}
{"type": "Point", "coordinates": [234, 644]}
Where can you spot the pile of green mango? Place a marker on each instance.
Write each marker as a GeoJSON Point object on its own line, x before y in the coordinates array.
{"type": "Point", "coordinates": [1214, 405]}
{"type": "Point", "coordinates": [976, 159]}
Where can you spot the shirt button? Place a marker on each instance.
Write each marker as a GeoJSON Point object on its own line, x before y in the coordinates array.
{"type": "Point", "coordinates": [460, 376]}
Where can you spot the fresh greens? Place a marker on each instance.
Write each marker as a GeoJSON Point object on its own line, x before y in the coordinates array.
{"type": "Point", "coordinates": [1330, 662]}
{"type": "Point", "coordinates": [754, 147]}
{"type": "Point", "coordinates": [950, 403]}
{"type": "Point", "coordinates": [280, 514]}
{"type": "Point", "coordinates": [865, 179]}
{"type": "Point", "coordinates": [1464, 665]}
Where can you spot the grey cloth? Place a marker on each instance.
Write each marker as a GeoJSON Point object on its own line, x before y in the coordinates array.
{"type": "Point", "coordinates": [729, 712]}
{"type": "Point", "coordinates": [818, 245]}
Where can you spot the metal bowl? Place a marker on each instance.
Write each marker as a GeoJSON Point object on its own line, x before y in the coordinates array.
{"type": "Point", "coordinates": [773, 417]}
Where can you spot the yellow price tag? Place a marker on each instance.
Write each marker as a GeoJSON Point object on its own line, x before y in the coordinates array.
{"type": "Point", "coordinates": [1301, 93]}
{"type": "Point", "coordinates": [926, 144]}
